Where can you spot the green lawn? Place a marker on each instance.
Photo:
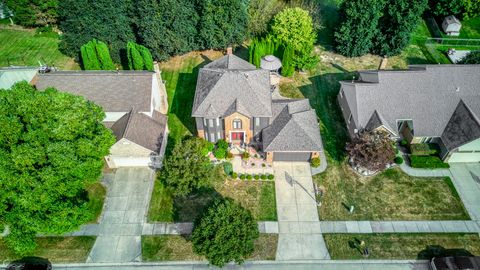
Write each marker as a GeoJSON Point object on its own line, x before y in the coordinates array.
{"type": "Point", "coordinates": [25, 47]}
{"type": "Point", "coordinates": [390, 195]}
{"type": "Point", "coordinates": [256, 196]}
{"type": "Point", "coordinates": [55, 249]}
{"type": "Point", "coordinates": [401, 246]}
{"type": "Point", "coordinates": [179, 248]}
{"type": "Point", "coordinates": [180, 74]}
{"type": "Point", "coordinates": [96, 196]}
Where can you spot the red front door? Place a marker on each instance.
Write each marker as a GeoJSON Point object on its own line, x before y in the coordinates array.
{"type": "Point", "coordinates": [237, 136]}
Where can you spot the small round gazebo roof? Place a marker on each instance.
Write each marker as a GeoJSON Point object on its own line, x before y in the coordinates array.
{"type": "Point", "coordinates": [270, 62]}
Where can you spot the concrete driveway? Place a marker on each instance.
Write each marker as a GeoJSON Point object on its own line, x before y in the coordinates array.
{"type": "Point", "coordinates": [300, 237]}
{"type": "Point", "coordinates": [126, 206]}
{"type": "Point", "coordinates": [466, 178]}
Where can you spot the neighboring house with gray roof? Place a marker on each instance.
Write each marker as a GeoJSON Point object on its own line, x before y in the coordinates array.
{"type": "Point", "coordinates": [233, 101]}
{"type": "Point", "coordinates": [132, 101]}
{"type": "Point", "coordinates": [426, 103]}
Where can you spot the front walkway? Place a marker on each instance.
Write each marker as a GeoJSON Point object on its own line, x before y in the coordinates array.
{"type": "Point", "coordinates": [300, 236]}
{"type": "Point", "coordinates": [466, 179]}
{"type": "Point", "coordinates": [124, 213]}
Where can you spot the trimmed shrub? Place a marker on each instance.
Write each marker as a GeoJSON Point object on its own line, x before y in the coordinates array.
{"type": "Point", "coordinates": [89, 56]}
{"type": "Point", "coordinates": [256, 177]}
{"type": "Point", "coordinates": [208, 148]}
{"type": "Point", "coordinates": [147, 57]}
{"type": "Point", "coordinates": [263, 165]}
{"type": "Point", "coordinates": [403, 142]}
{"type": "Point", "coordinates": [222, 144]}
{"type": "Point", "coordinates": [220, 153]}
{"type": "Point", "coordinates": [424, 149]}
{"type": "Point", "coordinates": [427, 162]}
{"type": "Point", "coordinates": [263, 177]}
{"type": "Point", "coordinates": [242, 176]}
{"type": "Point", "coordinates": [398, 160]}
{"type": "Point", "coordinates": [315, 162]}
{"type": "Point", "coordinates": [234, 175]}
{"type": "Point", "coordinates": [245, 155]}
{"type": "Point", "coordinates": [271, 177]}
{"type": "Point", "coordinates": [249, 177]}
{"type": "Point", "coordinates": [104, 58]}
{"type": "Point", "coordinates": [227, 168]}
{"type": "Point", "coordinates": [229, 155]}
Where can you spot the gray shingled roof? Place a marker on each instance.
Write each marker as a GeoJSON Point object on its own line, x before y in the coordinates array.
{"type": "Point", "coordinates": [230, 61]}
{"type": "Point", "coordinates": [462, 128]}
{"type": "Point", "coordinates": [114, 91]}
{"type": "Point", "coordinates": [232, 84]}
{"type": "Point", "coordinates": [426, 94]}
{"type": "Point", "coordinates": [141, 129]}
{"type": "Point", "coordinates": [294, 127]}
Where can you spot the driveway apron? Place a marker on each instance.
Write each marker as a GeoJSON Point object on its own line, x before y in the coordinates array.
{"type": "Point", "coordinates": [300, 236]}
{"type": "Point", "coordinates": [126, 206]}
{"type": "Point", "coordinates": [466, 178]}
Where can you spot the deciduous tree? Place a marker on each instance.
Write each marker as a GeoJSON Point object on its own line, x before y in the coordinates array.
{"type": "Point", "coordinates": [32, 13]}
{"type": "Point", "coordinates": [399, 20]}
{"type": "Point", "coordinates": [372, 150]}
{"type": "Point", "coordinates": [471, 58]}
{"type": "Point", "coordinates": [359, 24]}
{"type": "Point", "coordinates": [52, 146]}
{"type": "Point", "coordinates": [225, 233]}
{"type": "Point", "coordinates": [167, 27]}
{"type": "Point", "coordinates": [260, 14]}
{"type": "Point", "coordinates": [187, 168]}
{"type": "Point", "coordinates": [222, 22]}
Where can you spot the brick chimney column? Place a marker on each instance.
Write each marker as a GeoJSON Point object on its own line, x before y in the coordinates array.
{"type": "Point", "coordinates": [229, 50]}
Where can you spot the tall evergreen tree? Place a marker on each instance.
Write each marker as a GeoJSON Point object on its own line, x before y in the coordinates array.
{"type": "Point", "coordinates": [222, 22]}
{"type": "Point", "coordinates": [139, 57]}
{"type": "Point", "coordinates": [89, 56]}
{"type": "Point", "coordinates": [167, 27]}
{"type": "Point", "coordinates": [106, 20]}
{"type": "Point", "coordinates": [400, 18]}
{"type": "Point", "coordinates": [359, 23]}
{"type": "Point", "coordinates": [103, 55]}
{"type": "Point", "coordinates": [147, 57]}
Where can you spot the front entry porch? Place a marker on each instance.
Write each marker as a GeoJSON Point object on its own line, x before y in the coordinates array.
{"type": "Point", "coordinates": [237, 137]}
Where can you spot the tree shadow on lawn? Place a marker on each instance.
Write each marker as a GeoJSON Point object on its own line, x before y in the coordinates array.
{"type": "Point", "coordinates": [322, 93]}
{"type": "Point", "coordinates": [329, 20]}
{"type": "Point", "coordinates": [183, 99]}
{"type": "Point", "coordinates": [190, 207]}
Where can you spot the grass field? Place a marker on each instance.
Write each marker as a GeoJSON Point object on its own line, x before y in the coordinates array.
{"type": "Point", "coordinates": [401, 246]}
{"type": "Point", "coordinates": [26, 48]}
{"type": "Point", "coordinates": [55, 249]}
{"type": "Point", "coordinates": [96, 196]}
{"type": "Point", "coordinates": [390, 195]}
{"type": "Point", "coordinates": [179, 248]}
{"type": "Point", "coordinates": [256, 196]}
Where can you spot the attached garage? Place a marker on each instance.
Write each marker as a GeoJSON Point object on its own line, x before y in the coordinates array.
{"type": "Point", "coordinates": [292, 156]}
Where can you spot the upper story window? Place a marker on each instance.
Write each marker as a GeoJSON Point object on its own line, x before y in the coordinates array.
{"type": "Point", "coordinates": [210, 121]}
{"type": "Point", "coordinates": [218, 122]}
{"type": "Point", "coordinates": [237, 124]}
{"type": "Point", "coordinates": [257, 121]}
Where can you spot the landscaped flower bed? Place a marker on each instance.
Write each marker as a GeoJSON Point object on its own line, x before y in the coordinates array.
{"type": "Point", "coordinates": [252, 177]}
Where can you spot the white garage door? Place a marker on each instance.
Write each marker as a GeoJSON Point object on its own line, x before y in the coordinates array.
{"type": "Point", "coordinates": [465, 157]}
{"type": "Point", "coordinates": [116, 162]}
{"type": "Point", "coordinates": [291, 156]}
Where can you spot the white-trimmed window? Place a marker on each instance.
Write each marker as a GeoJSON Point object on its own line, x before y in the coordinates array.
{"type": "Point", "coordinates": [237, 124]}
{"type": "Point", "coordinates": [212, 137]}
{"type": "Point", "coordinates": [210, 121]}
{"type": "Point", "coordinates": [350, 118]}
{"type": "Point", "coordinates": [205, 122]}
{"type": "Point", "coordinates": [218, 122]}
{"type": "Point", "coordinates": [218, 135]}
{"type": "Point", "coordinates": [257, 121]}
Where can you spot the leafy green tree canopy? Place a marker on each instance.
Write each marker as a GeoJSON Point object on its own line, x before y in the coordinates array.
{"type": "Point", "coordinates": [225, 233]}
{"type": "Point", "coordinates": [52, 146]}
{"type": "Point", "coordinates": [32, 13]}
{"type": "Point", "coordinates": [260, 14]}
{"type": "Point", "coordinates": [471, 58]}
{"type": "Point", "coordinates": [188, 168]}
{"type": "Point", "coordinates": [294, 27]}
{"type": "Point", "coordinates": [222, 22]}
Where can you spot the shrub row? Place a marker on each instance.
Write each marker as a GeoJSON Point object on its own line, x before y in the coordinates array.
{"type": "Point", "coordinates": [429, 162]}
{"type": "Point", "coordinates": [424, 149]}
{"type": "Point", "coordinates": [245, 176]}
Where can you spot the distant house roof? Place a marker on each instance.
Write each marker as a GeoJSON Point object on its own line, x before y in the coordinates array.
{"type": "Point", "coordinates": [452, 20]}
{"type": "Point", "coordinates": [141, 129]}
{"type": "Point", "coordinates": [231, 84]}
{"type": "Point", "coordinates": [114, 91]}
{"type": "Point", "coordinates": [426, 94]}
{"type": "Point", "coordinates": [294, 127]}
{"type": "Point", "coordinates": [11, 75]}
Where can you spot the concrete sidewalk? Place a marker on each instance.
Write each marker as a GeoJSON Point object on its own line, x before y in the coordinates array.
{"type": "Point", "coordinates": [120, 229]}
{"type": "Point", "coordinates": [300, 237]}
{"type": "Point", "coordinates": [439, 226]}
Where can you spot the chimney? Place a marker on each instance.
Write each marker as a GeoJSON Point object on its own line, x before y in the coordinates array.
{"type": "Point", "coordinates": [229, 50]}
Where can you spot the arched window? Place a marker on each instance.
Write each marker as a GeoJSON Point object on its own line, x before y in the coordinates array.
{"type": "Point", "coordinates": [237, 124]}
